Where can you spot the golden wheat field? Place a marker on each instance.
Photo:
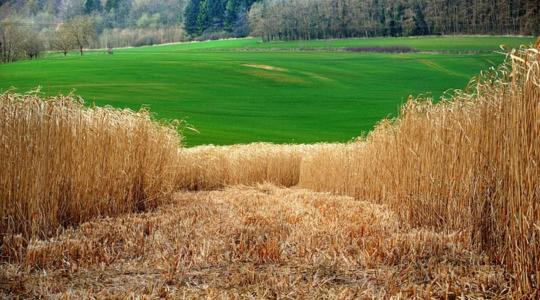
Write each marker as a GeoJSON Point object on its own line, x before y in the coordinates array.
{"type": "Point", "coordinates": [442, 202]}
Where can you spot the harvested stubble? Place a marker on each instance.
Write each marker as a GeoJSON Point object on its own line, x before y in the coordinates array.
{"type": "Point", "coordinates": [62, 163]}
{"type": "Point", "coordinates": [471, 164]}
{"type": "Point", "coordinates": [254, 243]}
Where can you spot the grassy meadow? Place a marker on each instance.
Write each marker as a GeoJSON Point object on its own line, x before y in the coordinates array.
{"type": "Point", "coordinates": [240, 91]}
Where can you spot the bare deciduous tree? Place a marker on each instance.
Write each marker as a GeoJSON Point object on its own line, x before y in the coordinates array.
{"type": "Point", "coordinates": [255, 19]}
{"type": "Point", "coordinates": [11, 38]}
{"type": "Point", "coordinates": [82, 32]}
{"type": "Point", "coordinates": [32, 45]}
{"type": "Point", "coordinates": [320, 19]}
{"type": "Point", "coordinates": [63, 40]}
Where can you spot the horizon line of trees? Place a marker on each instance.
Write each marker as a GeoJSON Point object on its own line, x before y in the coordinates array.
{"type": "Point", "coordinates": [320, 19]}
{"type": "Point", "coordinates": [30, 27]}
{"type": "Point", "coordinates": [18, 41]}
{"type": "Point", "coordinates": [105, 13]}
{"type": "Point", "coordinates": [22, 40]}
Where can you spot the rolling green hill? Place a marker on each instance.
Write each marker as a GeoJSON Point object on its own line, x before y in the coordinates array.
{"type": "Point", "coordinates": [239, 91]}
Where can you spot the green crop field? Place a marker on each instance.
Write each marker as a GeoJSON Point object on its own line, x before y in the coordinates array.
{"type": "Point", "coordinates": [239, 91]}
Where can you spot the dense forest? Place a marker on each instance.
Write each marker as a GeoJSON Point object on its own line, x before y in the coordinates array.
{"type": "Point", "coordinates": [28, 27]}
{"type": "Point", "coordinates": [316, 19]}
{"type": "Point", "coordinates": [313, 19]}
{"type": "Point", "coordinates": [212, 16]}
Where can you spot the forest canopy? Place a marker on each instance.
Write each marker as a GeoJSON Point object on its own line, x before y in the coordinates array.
{"type": "Point", "coordinates": [316, 19]}
{"type": "Point", "coordinates": [319, 19]}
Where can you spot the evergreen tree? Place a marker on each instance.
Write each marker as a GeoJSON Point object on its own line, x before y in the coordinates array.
{"type": "Point", "coordinates": [230, 14]}
{"type": "Point", "coordinates": [111, 4]}
{"type": "Point", "coordinates": [191, 17]}
{"type": "Point", "coordinates": [202, 18]}
{"type": "Point", "coordinates": [91, 6]}
{"type": "Point", "coordinates": [215, 14]}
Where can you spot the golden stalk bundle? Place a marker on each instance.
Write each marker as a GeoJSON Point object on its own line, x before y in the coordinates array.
{"type": "Point", "coordinates": [62, 163]}
{"type": "Point", "coordinates": [210, 167]}
{"type": "Point", "coordinates": [471, 163]}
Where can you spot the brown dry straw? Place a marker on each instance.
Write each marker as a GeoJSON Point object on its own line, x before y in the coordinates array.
{"type": "Point", "coordinates": [62, 163]}
{"type": "Point", "coordinates": [470, 163]}
{"type": "Point", "coordinates": [210, 167]}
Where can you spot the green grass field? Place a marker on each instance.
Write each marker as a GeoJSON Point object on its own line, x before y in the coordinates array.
{"type": "Point", "coordinates": [239, 91]}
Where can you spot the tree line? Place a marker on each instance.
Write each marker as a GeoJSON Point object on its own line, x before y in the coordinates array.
{"type": "Point", "coordinates": [17, 42]}
{"type": "Point", "coordinates": [319, 19]}
{"type": "Point", "coordinates": [105, 13]}
{"type": "Point", "coordinates": [27, 27]}
{"type": "Point", "coordinates": [225, 17]}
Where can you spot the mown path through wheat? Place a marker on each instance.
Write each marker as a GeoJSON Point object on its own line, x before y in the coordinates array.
{"type": "Point", "coordinates": [261, 242]}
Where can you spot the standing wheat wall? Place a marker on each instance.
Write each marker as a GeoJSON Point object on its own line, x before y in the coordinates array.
{"type": "Point", "coordinates": [211, 167]}
{"type": "Point", "coordinates": [62, 163]}
{"type": "Point", "coordinates": [471, 163]}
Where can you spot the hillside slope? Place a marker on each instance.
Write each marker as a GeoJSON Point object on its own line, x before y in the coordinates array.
{"type": "Point", "coordinates": [242, 91]}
